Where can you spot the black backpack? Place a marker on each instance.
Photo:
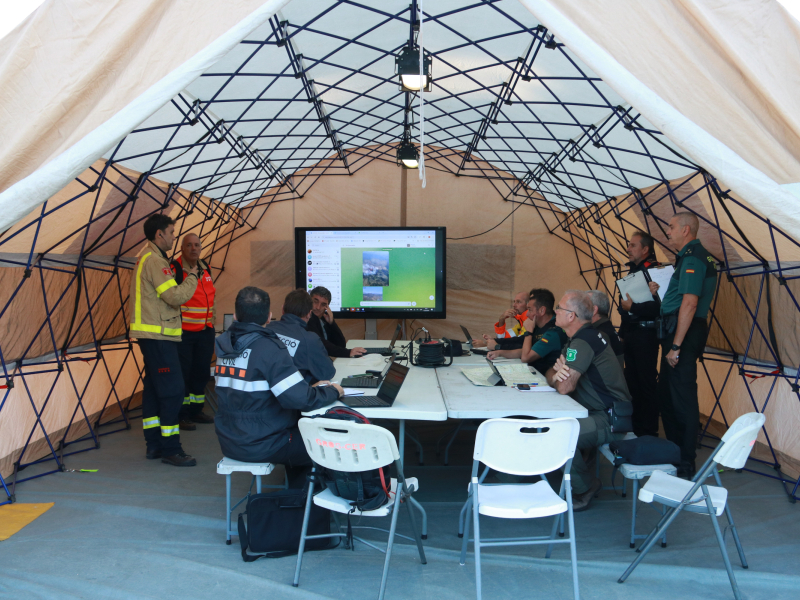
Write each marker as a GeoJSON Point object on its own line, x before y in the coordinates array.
{"type": "Point", "coordinates": [367, 490]}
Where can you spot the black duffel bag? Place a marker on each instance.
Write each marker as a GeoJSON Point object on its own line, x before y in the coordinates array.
{"type": "Point", "coordinates": [274, 523]}
{"type": "Point", "coordinates": [645, 450]}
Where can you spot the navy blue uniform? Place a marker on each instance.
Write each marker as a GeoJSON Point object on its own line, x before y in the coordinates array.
{"type": "Point", "coordinates": [305, 347]}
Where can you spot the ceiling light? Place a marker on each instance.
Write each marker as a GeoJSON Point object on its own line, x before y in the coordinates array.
{"type": "Point", "coordinates": [407, 68]}
{"type": "Point", "coordinates": [408, 155]}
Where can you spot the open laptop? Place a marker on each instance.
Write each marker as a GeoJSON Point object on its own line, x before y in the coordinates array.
{"type": "Point", "coordinates": [387, 351]}
{"type": "Point", "coordinates": [387, 393]}
{"type": "Point", "coordinates": [481, 351]}
{"type": "Point", "coordinates": [368, 381]}
{"type": "Point", "coordinates": [495, 378]}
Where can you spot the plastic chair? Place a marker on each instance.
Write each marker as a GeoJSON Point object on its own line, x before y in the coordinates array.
{"type": "Point", "coordinates": [353, 448]}
{"type": "Point", "coordinates": [697, 497]}
{"type": "Point", "coordinates": [523, 447]}
{"type": "Point", "coordinates": [228, 466]}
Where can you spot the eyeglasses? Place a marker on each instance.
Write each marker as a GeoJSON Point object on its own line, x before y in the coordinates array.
{"type": "Point", "coordinates": [564, 309]}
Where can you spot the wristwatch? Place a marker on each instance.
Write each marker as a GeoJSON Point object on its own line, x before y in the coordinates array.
{"type": "Point", "coordinates": [675, 347]}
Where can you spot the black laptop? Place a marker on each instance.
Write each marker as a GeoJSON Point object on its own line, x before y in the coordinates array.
{"type": "Point", "coordinates": [387, 351]}
{"type": "Point", "coordinates": [387, 393]}
{"type": "Point", "coordinates": [481, 351]}
{"type": "Point", "coordinates": [368, 381]}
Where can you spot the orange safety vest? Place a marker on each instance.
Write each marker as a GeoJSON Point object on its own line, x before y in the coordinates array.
{"type": "Point", "coordinates": [197, 313]}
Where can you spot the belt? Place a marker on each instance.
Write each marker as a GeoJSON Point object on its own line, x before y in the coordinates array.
{"type": "Point", "coordinates": [646, 324]}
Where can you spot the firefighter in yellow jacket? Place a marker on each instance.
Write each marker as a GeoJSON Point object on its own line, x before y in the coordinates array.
{"type": "Point", "coordinates": [155, 321]}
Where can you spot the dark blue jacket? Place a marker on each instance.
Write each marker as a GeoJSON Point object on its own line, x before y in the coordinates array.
{"type": "Point", "coordinates": [305, 348]}
{"type": "Point", "coordinates": [260, 393]}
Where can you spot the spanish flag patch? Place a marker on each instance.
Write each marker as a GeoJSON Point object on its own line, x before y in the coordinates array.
{"type": "Point", "coordinates": [690, 270]}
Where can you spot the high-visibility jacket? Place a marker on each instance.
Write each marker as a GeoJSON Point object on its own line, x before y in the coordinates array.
{"type": "Point", "coordinates": [518, 329]}
{"type": "Point", "coordinates": [155, 300]}
{"type": "Point", "coordinates": [198, 312]}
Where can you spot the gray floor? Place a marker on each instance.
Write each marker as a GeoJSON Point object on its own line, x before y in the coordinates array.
{"type": "Point", "coordinates": [139, 528]}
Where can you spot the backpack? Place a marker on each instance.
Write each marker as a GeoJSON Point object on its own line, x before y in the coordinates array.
{"type": "Point", "coordinates": [366, 490]}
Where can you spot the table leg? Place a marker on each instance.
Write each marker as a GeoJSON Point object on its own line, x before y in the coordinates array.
{"type": "Point", "coordinates": [401, 448]}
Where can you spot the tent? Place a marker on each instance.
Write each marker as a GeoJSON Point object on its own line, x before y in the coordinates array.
{"type": "Point", "coordinates": [552, 131]}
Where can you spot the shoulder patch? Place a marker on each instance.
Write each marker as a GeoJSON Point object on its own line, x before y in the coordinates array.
{"type": "Point", "coordinates": [690, 270]}
{"type": "Point", "coordinates": [290, 343]}
{"type": "Point", "coordinates": [167, 272]}
{"type": "Point", "coordinates": [572, 354]}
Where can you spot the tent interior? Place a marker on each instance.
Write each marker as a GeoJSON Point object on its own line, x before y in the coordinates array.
{"type": "Point", "coordinates": [552, 131]}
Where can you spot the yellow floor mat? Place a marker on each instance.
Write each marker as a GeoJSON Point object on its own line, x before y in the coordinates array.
{"type": "Point", "coordinates": [14, 517]}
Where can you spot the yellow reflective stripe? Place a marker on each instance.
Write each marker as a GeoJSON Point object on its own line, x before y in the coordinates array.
{"type": "Point", "coordinates": [137, 308]}
{"type": "Point", "coordinates": [151, 422]}
{"type": "Point", "coordinates": [198, 399]}
{"type": "Point", "coordinates": [188, 320]}
{"type": "Point", "coordinates": [172, 331]}
{"type": "Point", "coordinates": [149, 328]}
{"type": "Point", "coordinates": [197, 309]}
{"type": "Point", "coordinates": [169, 430]}
{"type": "Point", "coordinates": [165, 286]}
{"type": "Point", "coordinates": [187, 399]}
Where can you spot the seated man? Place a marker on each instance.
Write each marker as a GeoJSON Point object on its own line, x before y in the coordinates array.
{"type": "Point", "coordinates": [305, 347]}
{"type": "Point", "coordinates": [600, 321]}
{"type": "Point", "coordinates": [589, 372]}
{"type": "Point", "coordinates": [260, 393]}
{"type": "Point", "coordinates": [322, 323]}
{"type": "Point", "coordinates": [542, 342]}
{"type": "Point", "coordinates": [503, 338]}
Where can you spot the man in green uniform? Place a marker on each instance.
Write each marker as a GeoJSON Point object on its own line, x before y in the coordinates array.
{"type": "Point", "coordinates": [587, 370]}
{"type": "Point", "coordinates": [683, 312]}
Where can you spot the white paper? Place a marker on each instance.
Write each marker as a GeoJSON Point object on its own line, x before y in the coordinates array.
{"type": "Point", "coordinates": [353, 392]}
{"type": "Point", "coordinates": [635, 285]}
{"type": "Point", "coordinates": [661, 276]}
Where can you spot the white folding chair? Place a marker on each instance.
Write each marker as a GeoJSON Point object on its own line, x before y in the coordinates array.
{"type": "Point", "coordinates": [697, 497]}
{"type": "Point", "coordinates": [523, 447]}
{"type": "Point", "coordinates": [353, 448]}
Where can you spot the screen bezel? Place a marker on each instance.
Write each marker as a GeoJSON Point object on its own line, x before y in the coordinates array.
{"type": "Point", "coordinates": [441, 289]}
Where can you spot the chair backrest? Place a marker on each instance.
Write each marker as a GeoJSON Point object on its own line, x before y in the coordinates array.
{"type": "Point", "coordinates": [738, 441]}
{"type": "Point", "coordinates": [347, 446]}
{"type": "Point", "coordinates": [514, 446]}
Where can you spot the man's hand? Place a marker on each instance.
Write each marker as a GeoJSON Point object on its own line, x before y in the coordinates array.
{"type": "Point", "coordinates": [338, 388]}
{"type": "Point", "coordinates": [479, 343]}
{"type": "Point", "coordinates": [328, 316]}
{"type": "Point", "coordinates": [627, 303]}
{"type": "Point", "coordinates": [356, 352]}
{"type": "Point", "coordinates": [509, 314]}
{"type": "Point", "coordinates": [672, 358]}
{"type": "Point", "coordinates": [529, 325]}
{"type": "Point", "coordinates": [191, 270]}
{"type": "Point", "coordinates": [653, 287]}
{"type": "Point", "coordinates": [495, 354]}
{"type": "Point", "coordinates": [322, 383]}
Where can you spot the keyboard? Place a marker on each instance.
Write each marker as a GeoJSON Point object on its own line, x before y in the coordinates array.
{"type": "Point", "coordinates": [382, 351]}
{"type": "Point", "coordinates": [481, 351]}
{"type": "Point", "coordinates": [361, 382]}
{"type": "Point", "coordinates": [364, 401]}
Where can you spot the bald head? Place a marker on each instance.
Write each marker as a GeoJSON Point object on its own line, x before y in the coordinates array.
{"type": "Point", "coordinates": [191, 246]}
{"type": "Point", "coordinates": [520, 302]}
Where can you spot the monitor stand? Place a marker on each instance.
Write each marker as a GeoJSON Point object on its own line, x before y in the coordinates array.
{"type": "Point", "coordinates": [370, 329]}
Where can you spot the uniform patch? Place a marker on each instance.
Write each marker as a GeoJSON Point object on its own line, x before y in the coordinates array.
{"type": "Point", "coordinates": [290, 343]}
{"type": "Point", "coordinates": [167, 272]}
{"type": "Point", "coordinates": [237, 362]}
{"type": "Point", "coordinates": [572, 354]}
{"type": "Point", "coordinates": [690, 270]}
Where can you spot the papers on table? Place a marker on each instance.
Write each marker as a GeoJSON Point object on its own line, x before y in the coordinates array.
{"type": "Point", "coordinates": [353, 392]}
{"type": "Point", "coordinates": [478, 375]}
{"type": "Point", "coordinates": [661, 276]}
{"type": "Point", "coordinates": [635, 285]}
{"type": "Point", "coordinates": [512, 373]}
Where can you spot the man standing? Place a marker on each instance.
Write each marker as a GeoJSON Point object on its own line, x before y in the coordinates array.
{"type": "Point", "coordinates": [261, 393]}
{"type": "Point", "coordinates": [323, 324]}
{"type": "Point", "coordinates": [683, 313]}
{"type": "Point", "coordinates": [542, 342]}
{"type": "Point", "coordinates": [601, 305]}
{"type": "Point", "coordinates": [305, 347]}
{"type": "Point", "coordinates": [638, 332]}
{"type": "Point", "coordinates": [155, 321]}
{"type": "Point", "coordinates": [197, 342]}
{"type": "Point", "coordinates": [590, 373]}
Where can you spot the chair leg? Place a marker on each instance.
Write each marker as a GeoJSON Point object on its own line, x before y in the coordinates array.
{"type": "Point", "coordinates": [633, 511]}
{"type": "Point", "coordinates": [450, 443]}
{"type": "Point", "coordinates": [303, 532]}
{"type": "Point", "coordinates": [465, 540]}
{"type": "Point", "coordinates": [735, 533]}
{"type": "Point", "coordinates": [462, 518]}
{"type": "Point", "coordinates": [228, 508]}
{"type": "Point", "coordinates": [572, 550]}
{"type": "Point", "coordinates": [477, 545]}
{"type": "Point", "coordinates": [258, 484]}
{"type": "Point", "coordinates": [416, 533]}
{"type": "Point", "coordinates": [657, 532]}
{"type": "Point", "coordinates": [721, 542]}
{"type": "Point", "coordinates": [389, 546]}
{"type": "Point", "coordinates": [556, 521]}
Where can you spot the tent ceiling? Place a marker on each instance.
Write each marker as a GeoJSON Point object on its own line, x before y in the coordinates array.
{"type": "Point", "coordinates": [504, 92]}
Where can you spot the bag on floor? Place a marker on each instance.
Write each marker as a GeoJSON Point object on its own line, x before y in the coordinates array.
{"type": "Point", "coordinates": [645, 450]}
{"type": "Point", "coordinates": [366, 490]}
{"type": "Point", "coordinates": [274, 523]}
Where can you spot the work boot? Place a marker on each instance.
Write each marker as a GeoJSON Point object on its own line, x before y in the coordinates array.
{"type": "Point", "coordinates": [581, 502]}
{"type": "Point", "coordinates": [187, 425]}
{"type": "Point", "coordinates": [179, 460]}
{"type": "Point", "coordinates": [203, 418]}
{"type": "Point", "coordinates": [153, 453]}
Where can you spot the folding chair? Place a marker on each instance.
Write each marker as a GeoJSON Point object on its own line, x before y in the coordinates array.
{"type": "Point", "coordinates": [523, 447]}
{"type": "Point", "coordinates": [352, 448]}
{"type": "Point", "coordinates": [697, 497]}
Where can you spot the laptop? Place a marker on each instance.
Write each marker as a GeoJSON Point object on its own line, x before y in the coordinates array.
{"type": "Point", "coordinates": [481, 351]}
{"type": "Point", "coordinates": [387, 393]}
{"type": "Point", "coordinates": [368, 381]}
{"type": "Point", "coordinates": [495, 378]}
{"type": "Point", "coordinates": [387, 351]}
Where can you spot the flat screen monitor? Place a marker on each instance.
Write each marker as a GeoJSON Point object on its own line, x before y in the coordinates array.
{"type": "Point", "coordinates": [375, 272]}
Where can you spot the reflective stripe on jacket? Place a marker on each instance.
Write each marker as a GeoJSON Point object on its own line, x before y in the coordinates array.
{"type": "Point", "coordinates": [501, 331]}
{"type": "Point", "coordinates": [197, 312]}
{"type": "Point", "coordinates": [155, 298]}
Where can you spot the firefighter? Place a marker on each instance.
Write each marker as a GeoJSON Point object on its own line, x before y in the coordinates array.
{"type": "Point", "coordinates": [155, 300]}
{"type": "Point", "coordinates": [197, 342]}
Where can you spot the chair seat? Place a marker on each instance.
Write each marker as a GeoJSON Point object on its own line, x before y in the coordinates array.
{"type": "Point", "coordinates": [670, 490]}
{"type": "Point", "coordinates": [227, 466]}
{"type": "Point", "coordinates": [629, 471]}
{"type": "Point", "coordinates": [326, 499]}
{"type": "Point", "coordinates": [520, 501]}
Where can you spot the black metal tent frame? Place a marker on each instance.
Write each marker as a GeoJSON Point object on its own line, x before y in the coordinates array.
{"type": "Point", "coordinates": [579, 178]}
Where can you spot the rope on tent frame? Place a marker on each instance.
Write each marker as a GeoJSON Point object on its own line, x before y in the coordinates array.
{"type": "Point", "coordinates": [421, 102]}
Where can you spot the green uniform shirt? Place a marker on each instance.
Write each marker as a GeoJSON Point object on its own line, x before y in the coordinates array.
{"type": "Point", "coordinates": [695, 273]}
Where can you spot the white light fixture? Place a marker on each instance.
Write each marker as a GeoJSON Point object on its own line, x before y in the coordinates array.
{"type": "Point", "coordinates": [407, 67]}
{"type": "Point", "coordinates": [407, 155]}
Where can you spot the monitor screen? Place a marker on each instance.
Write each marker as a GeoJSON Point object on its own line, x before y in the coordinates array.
{"type": "Point", "coordinates": [385, 273]}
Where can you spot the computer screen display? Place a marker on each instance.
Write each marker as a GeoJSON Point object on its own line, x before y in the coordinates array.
{"type": "Point", "coordinates": [375, 272]}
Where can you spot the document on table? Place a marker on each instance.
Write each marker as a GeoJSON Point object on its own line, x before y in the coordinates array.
{"type": "Point", "coordinates": [353, 392]}
{"type": "Point", "coordinates": [635, 285]}
{"type": "Point", "coordinates": [478, 375]}
{"type": "Point", "coordinates": [661, 276]}
{"type": "Point", "coordinates": [512, 375]}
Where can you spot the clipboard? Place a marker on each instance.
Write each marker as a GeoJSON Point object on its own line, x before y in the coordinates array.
{"type": "Point", "coordinates": [636, 286]}
{"type": "Point", "coordinates": [662, 276]}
